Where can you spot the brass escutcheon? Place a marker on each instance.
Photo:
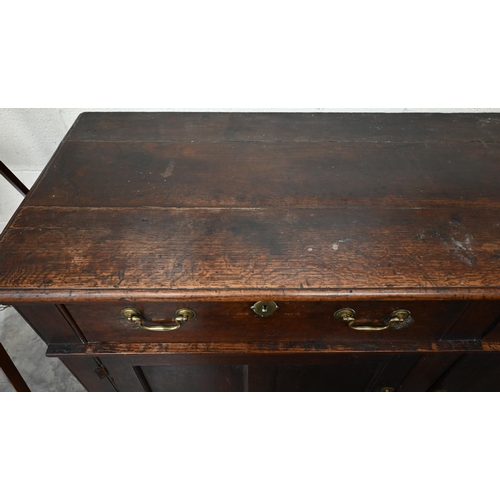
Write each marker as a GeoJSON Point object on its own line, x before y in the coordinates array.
{"type": "Point", "coordinates": [264, 308]}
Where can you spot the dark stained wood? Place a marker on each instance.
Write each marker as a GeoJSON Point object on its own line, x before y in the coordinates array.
{"type": "Point", "coordinates": [215, 211]}
{"type": "Point", "coordinates": [294, 321]}
{"type": "Point", "coordinates": [345, 372]}
{"type": "Point", "coordinates": [279, 127]}
{"type": "Point", "coordinates": [11, 372]}
{"type": "Point", "coordinates": [123, 375]}
{"type": "Point", "coordinates": [493, 335]}
{"type": "Point", "coordinates": [282, 175]}
{"type": "Point", "coordinates": [200, 378]}
{"type": "Point", "coordinates": [427, 370]}
{"type": "Point", "coordinates": [83, 368]}
{"type": "Point", "coordinates": [72, 323]}
{"type": "Point", "coordinates": [13, 179]}
{"type": "Point", "coordinates": [238, 348]}
{"type": "Point", "coordinates": [486, 379]}
{"type": "Point", "coordinates": [477, 320]}
{"type": "Point", "coordinates": [49, 322]}
{"type": "Point", "coordinates": [392, 373]}
{"type": "Point", "coordinates": [473, 372]}
{"type": "Point", "coordinates": [223, 253]}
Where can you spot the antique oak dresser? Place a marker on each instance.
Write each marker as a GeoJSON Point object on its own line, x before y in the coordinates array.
{"type": "Point", "coordinates": [265, 252]}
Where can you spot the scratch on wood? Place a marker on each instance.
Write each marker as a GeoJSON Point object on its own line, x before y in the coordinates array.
{"type": "Point", "coordinates": [169, 170]}
{"type": "Point", "coordinates": [463, 250]}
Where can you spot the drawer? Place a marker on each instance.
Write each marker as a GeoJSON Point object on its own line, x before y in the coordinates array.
{"type": "Point", "coordinates": [292, 321]}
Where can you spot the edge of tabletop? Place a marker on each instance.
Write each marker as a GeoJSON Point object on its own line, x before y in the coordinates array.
{"type": "Point", "coordinates": [13, 296]}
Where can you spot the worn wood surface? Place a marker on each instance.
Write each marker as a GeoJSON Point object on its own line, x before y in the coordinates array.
{"type": "Point", "coordinates": [290, 348]}
{"type": "Point", "coordinates": [207, 253]}
{"type": "Point", "coordinates": [280, 175]}
{"type": "Point", "coordinates": [215, 211]}
{"type": "Point", "coordinates": [290, 127]}
{"type": "Point", "coordinates": [231, 205]}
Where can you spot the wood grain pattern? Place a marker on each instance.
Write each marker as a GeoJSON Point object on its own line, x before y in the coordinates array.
{"type": "Point", "coordinates": [215, 211]}
{"type": "Point", "coordinates": [274, 127]}
{"type": "Point", "coordinates": [225, 206]}
{"type": "Point", "coordinates": [218, 253]}
{"type": "Point", "coordinates": [281, 175]}
{"type": "Point", "coordinates": [249, 349]}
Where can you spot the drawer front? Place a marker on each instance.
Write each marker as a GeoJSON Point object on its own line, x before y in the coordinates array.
{"type": "Point", "coordinates": [292, 321]}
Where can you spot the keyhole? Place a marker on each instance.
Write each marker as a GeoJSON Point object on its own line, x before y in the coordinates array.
{"type": "Point", "coordinates": [264, 308]}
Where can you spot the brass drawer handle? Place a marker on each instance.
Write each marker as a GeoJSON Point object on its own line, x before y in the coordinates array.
{"type": "Point", "coordinates": [347, 315]}
{"type": "Point", "coordinates": [181, 316]}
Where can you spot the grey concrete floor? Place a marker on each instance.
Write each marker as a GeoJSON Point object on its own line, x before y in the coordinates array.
{"type": "Point", "coordinates": [27, 351]}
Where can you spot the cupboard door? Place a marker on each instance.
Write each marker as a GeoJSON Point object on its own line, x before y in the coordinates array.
{"type": "Point", "coordinates": [472, 372]}
{"type": "Point", "coordinates": [195, 378]}
{"type": "Point", "coordinates": [336, 373]}
{"type": "Point", "coordinates": [342, 373]}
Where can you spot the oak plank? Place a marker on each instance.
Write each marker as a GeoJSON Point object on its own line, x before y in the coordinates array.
{"type": "Point", "coordinates": [337, 251]}
{"type": "Point", "coordinates": [272, 127]}
{"type": "Point", "coordinates": [279, 175]}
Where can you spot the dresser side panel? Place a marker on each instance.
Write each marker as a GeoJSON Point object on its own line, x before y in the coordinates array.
{"type": "Point", "coordinates": [50, 323]}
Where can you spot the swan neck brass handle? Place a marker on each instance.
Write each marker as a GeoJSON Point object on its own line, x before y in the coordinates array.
{"type": "Point", "coordinates": [181, 316]}
{"type": "Point", "coordinates": [347, 315]}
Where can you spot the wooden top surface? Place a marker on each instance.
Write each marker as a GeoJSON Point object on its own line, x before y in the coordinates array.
{"type": "Point", "coordinates": [242, 206]}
